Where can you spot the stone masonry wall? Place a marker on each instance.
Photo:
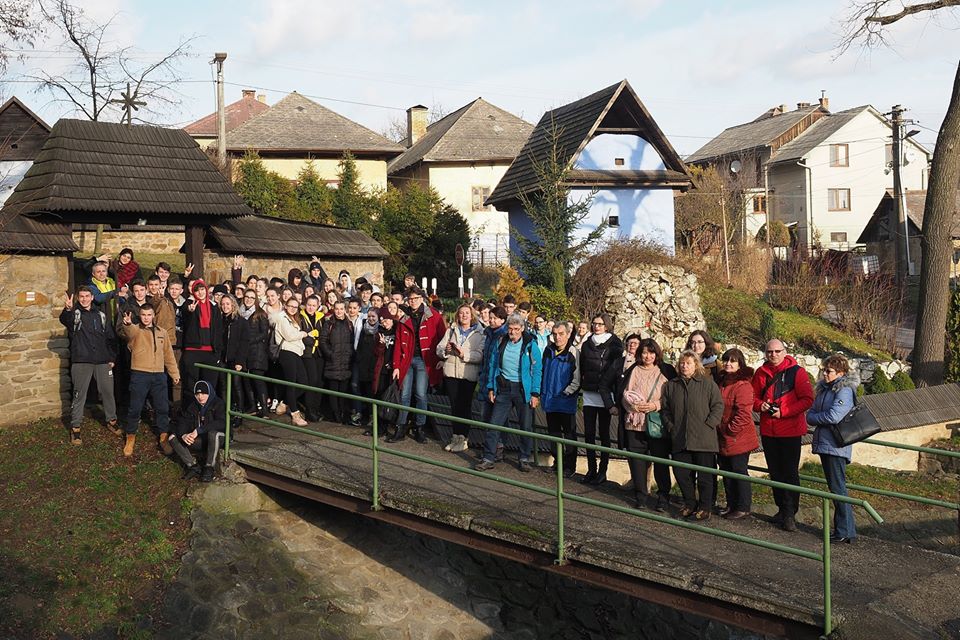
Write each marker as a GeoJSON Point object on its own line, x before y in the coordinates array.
{"type": "Point", "coordinates": [139, 241]}
{"type": "Point", "coordinates": [217, 266]}
{"type": "Point", "coordinates": [34, 349]}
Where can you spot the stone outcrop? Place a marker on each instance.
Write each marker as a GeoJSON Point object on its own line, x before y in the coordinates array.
{"type": "Point", "coordinates": [656, 301]}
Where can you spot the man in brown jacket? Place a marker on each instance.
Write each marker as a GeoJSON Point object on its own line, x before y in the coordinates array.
{"type": "Point", "coordinates": [151, 352]}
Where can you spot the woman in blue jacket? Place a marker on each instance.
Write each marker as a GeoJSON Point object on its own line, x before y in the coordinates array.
{"type": "Point", "coordinates": [559, 392]}
{"type": "Point", "coordinates": [835, 397]}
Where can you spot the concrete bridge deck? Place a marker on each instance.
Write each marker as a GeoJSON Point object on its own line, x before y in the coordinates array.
{"type": "Point", "coordinates": [880, 589]}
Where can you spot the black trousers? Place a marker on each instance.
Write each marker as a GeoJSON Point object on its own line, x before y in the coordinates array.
{"type": "Point", "coordinates": [739, 492]}
{"type": "Point", "coordinates": [562, 425]}
{"type": "Point", "coordinates": [661, 448]}
{"type": "Point", "coordinates": [460, 392]}
{"type": "Point", "coordinates": [783, 461]}
{"type": "Point", "coordinates": [190, 374]}
{"type": "Point", "coordinates": [339, 407]}
{"type": "Point", "coordinates": [312, 400]}
{"type": "Point", "coordinates": [293, 371]}
{"type": "Point", "coordinates": [639, 442]}
{"type": "Point", "coordinates": [694, 483]}
{"type": "Point", "coordinates": [594, 419]}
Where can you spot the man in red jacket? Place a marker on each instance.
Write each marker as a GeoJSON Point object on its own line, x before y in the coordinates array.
{"type": "Point", "coordinates": [782, 394]}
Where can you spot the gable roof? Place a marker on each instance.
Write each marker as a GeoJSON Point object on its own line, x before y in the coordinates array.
{"type": "Point", "coordinates": [264, 235]}
{"type": "Point", "coordinates": [816, 133]}
{"type": "Point", "coordinates": [236, 113]}
{"type": "Point", "coordinates": [22, 132]}
{"type": "Point", "coordinates": [616, 107]}
{"type": "Point", "coordinates": [916, 200]}
{"type": "Point", "coordinates": [27, 233]}
{"type": "Point", "coordinates": [99, 167]}
{"type": "Point", "coordinates": [750, 135]}
{"type": "Point", "coordinates": [298, 124]}
{"type": "Point", "coordinates": [478, 131]}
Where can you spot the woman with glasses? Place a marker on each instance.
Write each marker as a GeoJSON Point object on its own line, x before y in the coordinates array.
{"type": "Point", "coordinates": [290, 337]}
{"type": "Point", "coordinates": [835, 397]}
{"type": "Point", "coordinates": [703, 345]}
{"type": "Point", "coordinates": [597, 355]}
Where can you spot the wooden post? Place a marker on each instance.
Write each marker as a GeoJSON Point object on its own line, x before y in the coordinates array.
{"type": "Point", "coordinates": [194, 248]}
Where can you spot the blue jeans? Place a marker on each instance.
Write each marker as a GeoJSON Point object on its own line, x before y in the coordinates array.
{"type": "Point", "coordinates": [142, 385]}
{"type": "Point", "coordinates": [509, 395]}
{"type": "Point", "coordinates": [835, 470]}
{"type": "Point", "coordinates": [415, 384]}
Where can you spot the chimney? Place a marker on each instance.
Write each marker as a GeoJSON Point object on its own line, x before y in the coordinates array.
{"type": "Point", "coordinates": [783, 108]}
{"type": "Point", "coordinates": [824, 101]}
{"type": "Point", "coordinates": [262, 97]}
{"type": "Point", "coordinates": [416, 124]}
{"type": "Point", "coordinates": [803, 105]}
{"type": "Point", "coordinates": [247, 93]}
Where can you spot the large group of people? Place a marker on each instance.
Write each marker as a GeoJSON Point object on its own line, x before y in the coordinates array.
{"type": "Point", "coordinates": [141, 341]}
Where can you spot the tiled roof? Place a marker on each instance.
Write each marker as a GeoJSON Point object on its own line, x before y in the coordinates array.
{"type": "Point", "coordinates": [298, 124]}
{"type": "Point", "coordinates": [476, 132]}
{"type": "Point", "coordinates": [99, 167]}
{"type": "Point", "coordinates": [29, 233]}
{"type": "Point", "coordinates": [574, 124]}
{"type": "Point", "coordinates": [816, 134]}
{"type": "Point", "coordinates": [236, 113]}
{"type": "Point", "coordinates": [273, 236]}
{"type": "Point", "coordinates": [916, 200]}
{"type": "Point", "coordinates": [750, 135]}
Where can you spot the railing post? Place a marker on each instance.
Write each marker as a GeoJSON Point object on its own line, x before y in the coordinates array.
{"type": "Point", "coordinates": [558, 464]}
{"type": "Point", "coordinates": [226, 442]}
{"type": "Point", "coordinates": [827, 599]}
{"type": "Point", "coordinates": [376, 459]}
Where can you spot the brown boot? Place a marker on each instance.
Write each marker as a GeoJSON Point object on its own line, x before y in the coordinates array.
{"type": "Point", "coordinates": [128, 445]}
{"type": "Point", "coordinates": [164, 445]}
{"type": "Point", "coordinates": [75, 436]}
{"type": "Point", "coordinates": [114, 428]}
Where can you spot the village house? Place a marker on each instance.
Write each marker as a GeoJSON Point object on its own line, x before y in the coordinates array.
{"type": "Point", "coordinates": [616, 152]}
{"type": "Point", "coordinates": [204, 130]}
{"type": "Point", "coordinates": [296, 130]}
{"type": "Point", "coordinates": [22, 134]}
{"type": "Point", "coordinates": [820, 173]}
{"type": "Point", "coordinates": [463, 156]}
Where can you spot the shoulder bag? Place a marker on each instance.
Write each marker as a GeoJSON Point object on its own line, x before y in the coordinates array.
{"type": "Point", "coordinates": [858, 425]}
{"type": "Point", "coordinates": [652, 421]}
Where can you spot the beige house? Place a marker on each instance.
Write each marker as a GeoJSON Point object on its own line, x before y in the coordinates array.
{"type": "Point", "coordinates": [296, 130]}
{"type": "Point", "coordinates": [204, 130]}
{"type": "Point", "coordinates": [463, 156]}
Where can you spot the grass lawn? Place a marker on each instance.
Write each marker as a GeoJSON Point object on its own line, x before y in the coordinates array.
{"type": "Point", "coordinates": [89, 539]}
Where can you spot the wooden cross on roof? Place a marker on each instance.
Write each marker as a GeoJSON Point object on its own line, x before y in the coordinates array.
{"type": "Point", "coordinates": [130, 104]}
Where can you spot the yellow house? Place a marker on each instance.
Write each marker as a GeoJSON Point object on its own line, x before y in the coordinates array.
{"type": "Point", "coordinates": [296, 130]}
{"type": "Point", "coordinates": [463, 156]}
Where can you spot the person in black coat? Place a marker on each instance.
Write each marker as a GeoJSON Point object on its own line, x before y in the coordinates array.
{"type": "Point", "coordinates": [336, 343]}
{"type": "Point", "coordinates": [598, 353]}
{"type": "Point", "coordinates": [236, 344]}
{"type": "Point", "coordinates": [369, 337]}
{"type": "Point", "coordinates": [259, 334]}
{"type": "Point", "coordinates": [201, 429]}
{"type": "Point", "coordinates": [202, 341]}
{"type": "Point", "coordinates": [311, 321]}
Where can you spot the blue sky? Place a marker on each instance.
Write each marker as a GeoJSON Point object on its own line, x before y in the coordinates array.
{"type": "Point", "coordinates": [698, 66]}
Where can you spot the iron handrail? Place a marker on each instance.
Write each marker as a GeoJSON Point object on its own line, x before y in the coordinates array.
{"type": "Point", "coordinates": [376, 449]}
{"type": "Point", "coordinates": [912, 447]}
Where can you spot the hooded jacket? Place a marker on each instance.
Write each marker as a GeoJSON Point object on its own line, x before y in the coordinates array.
{"type": "Point", "coordinates": [790, 389]}
{"type": "Point", "coordinates": [430, 332]}
{"type": "Point", "coordinates": [531, 366]}
{"type": "Point", "coordinates": [560, 385]}
{"type": "Point", "coordinates": [833, 401]}
{"type": "Point", "coordinates": [211, 417]}
{"type": "Point", "coordinates": [691, 409]}
{"type": "Point", "coordinates": [737, 432]}
{"type": "Point", "coordinates": [336, 343]}
{"type": "Point", "coordinates": [596, 359]}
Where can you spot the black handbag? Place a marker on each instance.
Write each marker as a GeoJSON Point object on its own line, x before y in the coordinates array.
{"type": "Point", "coordinates": [858, 425]}
{"type": "Point", "coordinates": [389, 415]}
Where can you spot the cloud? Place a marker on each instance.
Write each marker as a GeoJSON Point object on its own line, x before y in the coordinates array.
{"type": "Point", "coordinates": [296, 26]}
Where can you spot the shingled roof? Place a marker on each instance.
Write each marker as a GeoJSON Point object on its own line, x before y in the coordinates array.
{"type": "Point", "coordinates": [751, 135]}
{"type": "Point", "coordinates": [256, 234]}
{"type": "Point", "coordinates": [27, 233]}
{"type": "Point", "coordinates": [298, 124]}
{"type": "Point", "coordinates": [98, 167]}
{"type": "Point", "coordinates": [916, 201]}
{"type": "Point", "coordinates": [816, 133]}
{"type": "Point", "coordinates": [476, 132]}
{"type": "Point", "coordinates": [236, 113]}
{"type": "Point", "coordinates": [615, 108]}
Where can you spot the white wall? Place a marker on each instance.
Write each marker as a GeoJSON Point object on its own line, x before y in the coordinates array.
{"type": "Point", "coordinates": [603, 151]}
{"type": "Point", "coordinates": [455, 185]}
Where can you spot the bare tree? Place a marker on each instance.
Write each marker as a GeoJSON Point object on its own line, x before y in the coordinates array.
{"type": "Point", "coordinates": [396, 128]}
{"type": "Point", "coordinates": [18, 26]}
{"type": "Point", "coordinates": [103, 70]}
{"type": "Point", "coordinates": [867, 25]}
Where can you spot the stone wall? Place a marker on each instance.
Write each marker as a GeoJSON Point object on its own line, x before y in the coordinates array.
{"type": "Point", "coordinates": [656, 301]}
{"type": "Point", "coordinates": [140, 241]}
{"type": "Point", "coordinates": [862, 367]}
{"type": "Point", "coordinates": [217, 266]}
{"type": "Point", "coordinates": [34, 349]}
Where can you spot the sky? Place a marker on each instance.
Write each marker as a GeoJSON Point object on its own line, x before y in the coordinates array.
{"type": "Point", "coordinates": [698, 66]}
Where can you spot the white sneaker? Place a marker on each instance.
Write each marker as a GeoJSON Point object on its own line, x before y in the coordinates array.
{"type": "Point", "coordinates": [461, 445]}
{"type": "Point", "coordinates": [273, 405]}
{"type": "Point", "coordinates": [451, 444]}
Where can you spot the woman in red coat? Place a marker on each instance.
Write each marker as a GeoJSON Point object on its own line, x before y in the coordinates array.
{"type": "Point", "coordinates": [737, 435]}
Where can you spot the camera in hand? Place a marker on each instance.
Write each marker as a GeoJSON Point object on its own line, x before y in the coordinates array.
{"type": "Point", "coordinates": [773, 409]}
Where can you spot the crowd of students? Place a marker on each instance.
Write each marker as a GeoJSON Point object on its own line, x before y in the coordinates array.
{"type": "Point", "coordinates": [141, 341]}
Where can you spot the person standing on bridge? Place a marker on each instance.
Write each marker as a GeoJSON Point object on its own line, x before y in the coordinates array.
{"type": "Point", "coordinates": [836, 396]}
{"type": "Point", "coordinates": [461, 350]}
{"type": "Point", "coordinates": [738, 436]}
{"type": "Point", "coordinates": [691, 409]}
{"type": "Point", "coordinates": [598, 353]}
{"type": "Point", "coordinates": [782, 395]}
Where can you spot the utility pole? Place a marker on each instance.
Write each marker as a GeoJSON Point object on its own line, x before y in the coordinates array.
{"type": "Point", "coordinates": [218, 59]}
{"type": "Point", "coordinates": [898, 214]}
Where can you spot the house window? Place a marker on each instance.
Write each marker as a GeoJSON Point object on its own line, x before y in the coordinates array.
{"type": "Point", "coordinates": [838, 199]}
{"type": "Point", "coordinates": [759, 204]}
{"type": "Point", "coordinates": [838, 236]}
{"type": "Point", "coordinates": [478, 195]}
{"type": "Point", "coordinates": [613, 221]}
{"type": "Point", "coordinates": [618, 162]}
{"type": "Point", "coordinates": [839, 155]}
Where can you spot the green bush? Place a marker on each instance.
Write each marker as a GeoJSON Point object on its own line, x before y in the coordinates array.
{"type": "Point", "coordinates": [555, 305]}
{"type": "Point", "coordinates": [880, 383]}
{"type": "Point", "coordinates": [768, 325]}
{"type": "Point", "coordinates": [952, 373]}
{"type": "Point", "coordinates": [902, 382]}
{"type": "Point", "coordinates": [861, 391]}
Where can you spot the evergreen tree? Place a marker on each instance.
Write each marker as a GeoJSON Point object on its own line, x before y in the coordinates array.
{"type": "Point", "coordinates": [254, 184]}
{"type": "Point", "coordinates": [952, 373]}
{"type": "Point", "coordinates": [314, 199]}
{"type": "Point", "coordinates": [437, 255]}
{"type": "Point", "coordinates": [351, 204]}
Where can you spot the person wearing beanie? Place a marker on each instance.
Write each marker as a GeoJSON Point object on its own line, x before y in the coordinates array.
{"type": "Point", "coordinates": [202, 340]}
{"type": "Point", "coordinates": [201, 429]}
{"type": "Point", "coordinates": [315, 276]}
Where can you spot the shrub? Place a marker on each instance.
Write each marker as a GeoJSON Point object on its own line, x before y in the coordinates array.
{"type": "Point", "coordinates": [952, 373]}
{"type": "Point", "coordinates": [484, 280]}
{"type": "Point", "coordinates": [880, 383]}
{"type": "Point", "coordinates": [902, 382]}
{"type": "Point", "coordinates": [552, 304]}
{"type": "Point", "coordinates": [768, 325]}
{"type": "Point", "coordinates": [510, 283]}
{"type": "Point", "coordinates": [861, 391]}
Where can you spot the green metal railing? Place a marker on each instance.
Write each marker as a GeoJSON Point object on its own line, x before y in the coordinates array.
{"type": "Point", "coordinates": [558, 492]}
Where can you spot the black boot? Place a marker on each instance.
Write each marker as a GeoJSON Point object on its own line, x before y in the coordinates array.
{"type": "Point", "coordinates": [601, 476]}
{"type": "Point", "coordinates": [189, 473]}
{"type": "Point", "coordinates": [591, 467]}
{"type": "Point", "coordinates": [262, 405]}
{"type": "Point", "coordinates": [419, 435]}
{"type": "Point", "coordinates": [399, 435]}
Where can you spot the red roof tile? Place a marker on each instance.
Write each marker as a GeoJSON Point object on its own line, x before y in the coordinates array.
{"type": "Point", "coordinates": [237, 113]}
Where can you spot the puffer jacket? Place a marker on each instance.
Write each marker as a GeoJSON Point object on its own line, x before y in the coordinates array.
{"type": "Point", "coordinates": [336, 343]}
{"type": "Point", "coordinates": [259, 334]}
{"type": "Point", "coordinates": [561, 380]}
{"type": "Point", "coordinates": [691, 409]}
{"type": "Point", "coordinates": [92, 338]}
{"type": "Point", "coordinates": [467, 368]}
{"type": "Point", "coordinates": [790, 390]}
{"type": "Point", "coordinates": [832, 403]}
{"type": "Point", "coordinates": [491, 339]}
{"type": "Point", "coordinates": [737, 432]}
{"type": "Point", "coordinates": [596, 360]}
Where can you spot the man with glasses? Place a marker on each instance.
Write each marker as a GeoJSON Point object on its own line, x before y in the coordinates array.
{"type": "Point", "coordinates": [782, 395]}
{"type": "Point", "coordinates": [415, 368]}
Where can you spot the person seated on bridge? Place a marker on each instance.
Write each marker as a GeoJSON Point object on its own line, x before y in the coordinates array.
{"type": "Point", "coordinates": [836, 396]}
{"type": "Point", "coordinates": [201, 429]}
{"type": "Point", "coordinates": [782, 395]}
{"type": "Point", "coordinates": [691, 409]}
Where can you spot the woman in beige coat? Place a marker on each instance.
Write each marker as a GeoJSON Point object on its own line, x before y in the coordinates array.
{"type": "Point", "coordinates": [461, 352]}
